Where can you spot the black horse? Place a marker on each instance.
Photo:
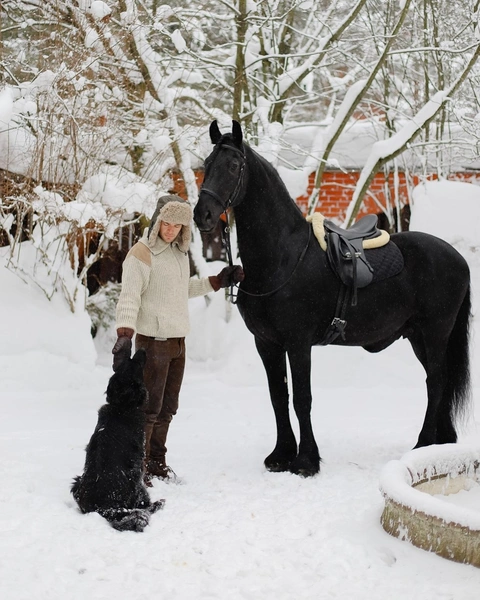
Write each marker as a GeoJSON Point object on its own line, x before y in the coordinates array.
{"type": "Point", "coordinates": [289, 296]}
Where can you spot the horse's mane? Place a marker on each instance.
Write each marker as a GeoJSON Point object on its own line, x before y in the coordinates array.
{"type": "Point", "coordinates": [255, 160]}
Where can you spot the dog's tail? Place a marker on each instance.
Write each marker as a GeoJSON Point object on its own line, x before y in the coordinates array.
{"type": "Point", "coordinates": [135, 519]}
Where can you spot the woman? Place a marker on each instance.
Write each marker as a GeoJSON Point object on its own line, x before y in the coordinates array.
{"type": "Point", "coordinates": [153, 303]}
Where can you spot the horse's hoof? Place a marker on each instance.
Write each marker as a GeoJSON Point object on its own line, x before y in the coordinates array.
{"type": "Point", "coordinates": [305, 467]}
{"type": "Point", "coordinates": [277, 467]}
{"type": "Point", "coordinates": [275, 464]}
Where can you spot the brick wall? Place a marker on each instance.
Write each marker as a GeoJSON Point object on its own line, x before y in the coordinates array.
{"type": "Point", "coordinates": [178, 184]}
{"type": "Point", "coordinates": [337, 190]}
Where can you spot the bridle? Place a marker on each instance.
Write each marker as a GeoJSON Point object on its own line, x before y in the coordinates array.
{"type": "Point", "coordinates": [233, 196]}
{"type": "Point", "coordinates": [226, 230]}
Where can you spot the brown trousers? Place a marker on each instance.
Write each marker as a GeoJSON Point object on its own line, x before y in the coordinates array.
{"type": "Point", "coordinates": [163, 375]}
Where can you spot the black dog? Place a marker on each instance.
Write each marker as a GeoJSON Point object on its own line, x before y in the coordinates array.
{"type": "Point", "coordinates": [112, 481]}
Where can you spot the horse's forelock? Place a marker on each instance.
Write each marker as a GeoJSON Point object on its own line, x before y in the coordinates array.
{"type": "Point", "coordinates": [226, 140]}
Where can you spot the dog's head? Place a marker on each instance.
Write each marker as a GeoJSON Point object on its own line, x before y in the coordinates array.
{"type": "Point", "coordinates": [126, 387]}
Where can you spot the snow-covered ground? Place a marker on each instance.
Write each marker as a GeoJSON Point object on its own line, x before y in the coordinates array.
{"type": "Point", "coordinates": [232, 531]}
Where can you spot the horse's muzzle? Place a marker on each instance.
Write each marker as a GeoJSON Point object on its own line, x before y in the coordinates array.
{"type": "Point", "coordinates": [205, 213]}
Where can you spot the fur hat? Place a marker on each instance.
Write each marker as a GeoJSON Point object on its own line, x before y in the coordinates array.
{"type": "Point", "coordinates": [172, 209]}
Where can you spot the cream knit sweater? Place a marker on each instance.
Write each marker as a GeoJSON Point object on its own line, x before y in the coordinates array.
{"type": "Point", "coordinates": [156, 285]}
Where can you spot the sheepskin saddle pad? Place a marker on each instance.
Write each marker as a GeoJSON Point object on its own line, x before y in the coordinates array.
{"type": "Point", "coordinates": [360, 255]}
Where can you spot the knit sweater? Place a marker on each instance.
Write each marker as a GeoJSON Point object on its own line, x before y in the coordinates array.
{"type": "Point", "coordinates": [156, 285]}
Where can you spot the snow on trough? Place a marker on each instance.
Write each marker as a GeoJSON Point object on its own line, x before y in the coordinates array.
{"type": "Point", "coordinates": [415, 488]}
{"type": "Point", "coordinates": [453, 464]}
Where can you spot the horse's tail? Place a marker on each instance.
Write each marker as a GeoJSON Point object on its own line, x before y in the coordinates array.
{"type": "Point", "coordinates": [457, 394]}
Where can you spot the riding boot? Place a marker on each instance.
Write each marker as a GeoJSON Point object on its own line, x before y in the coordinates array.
{"type": "Point", "coordinates": [158, 470]}
{"type": "Point", "coordinates": [156, 465]}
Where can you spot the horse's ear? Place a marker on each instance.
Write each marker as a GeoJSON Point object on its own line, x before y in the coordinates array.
{"type": "Point", "coordinates": [215, 134]}
{"type": "Point", "coordinates": [237, 133]}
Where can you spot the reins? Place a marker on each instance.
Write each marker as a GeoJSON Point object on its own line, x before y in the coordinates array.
{"type": "Point", "coordinates": [228, 248]}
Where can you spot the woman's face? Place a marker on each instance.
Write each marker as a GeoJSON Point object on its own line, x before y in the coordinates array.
{"type": "Point", "coordinates": [169, 231]}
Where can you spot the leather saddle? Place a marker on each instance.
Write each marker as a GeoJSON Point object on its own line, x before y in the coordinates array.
{"type": "Point", "coordinates": [346, 253]}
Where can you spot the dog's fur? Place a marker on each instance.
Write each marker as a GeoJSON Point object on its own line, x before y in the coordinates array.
{"type": "Point", "coordinates": [112, 481]}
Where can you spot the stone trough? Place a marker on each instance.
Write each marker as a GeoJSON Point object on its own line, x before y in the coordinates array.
{"type": "Point", "coordinates": [414, 513]}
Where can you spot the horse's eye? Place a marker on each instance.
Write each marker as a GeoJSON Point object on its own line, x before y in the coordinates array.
{"type": "Point", "coordinates": [234, 166]}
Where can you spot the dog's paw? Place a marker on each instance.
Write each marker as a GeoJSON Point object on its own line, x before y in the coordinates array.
{"type": "Point", "coordinates": [157, 505]}
{"type": "Point", "coordinates": [135, 520]}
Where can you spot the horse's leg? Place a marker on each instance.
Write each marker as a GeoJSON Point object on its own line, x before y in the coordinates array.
{"type": "Point", "coordinates": [274, 361]}
{"type": "Point", "coordinates": [307, 462]}
{"type": "Point", "coordinates": [446, 433]}
{"type": "Point", "coordinates": [432, 356]}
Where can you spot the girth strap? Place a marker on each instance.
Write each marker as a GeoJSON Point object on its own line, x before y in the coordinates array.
{"type": "Point", "coordinates": [338, 324]}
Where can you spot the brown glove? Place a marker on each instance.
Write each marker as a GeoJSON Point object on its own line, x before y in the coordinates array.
{"type": "Point", "coordinates": [227, 276]}
{"type": "Point", "coordinates": [123, 346]}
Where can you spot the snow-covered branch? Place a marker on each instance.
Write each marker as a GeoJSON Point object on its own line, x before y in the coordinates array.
{"type": "Point", "coordinates": [386, 150]}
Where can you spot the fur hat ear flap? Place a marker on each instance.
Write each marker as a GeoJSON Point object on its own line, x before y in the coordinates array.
{"type": "Point", "coordinates": [184, 238]}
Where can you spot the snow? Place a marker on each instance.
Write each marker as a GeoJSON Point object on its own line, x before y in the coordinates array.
{"type": "Point", "coordinates": [100, 10]}
{"type": "Point", "coordinates": [164, 12]}
{"type": "Point", "coordinates": [118, 188]}
{"type": "Point", "coordinates": [91, 38]}
{"type": "Point", "coordinates": [469, 498]}
{"type": "Point", "coordinates": [232, 530]}
{"type": "Point", "coordinates": [433, 199]}
{"type": "Point", "coordinates": [178, 41]}
{"type": "Point", "coordinates": [39, 328]}
{"type": "Point", "coordinates": [15, 141]}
